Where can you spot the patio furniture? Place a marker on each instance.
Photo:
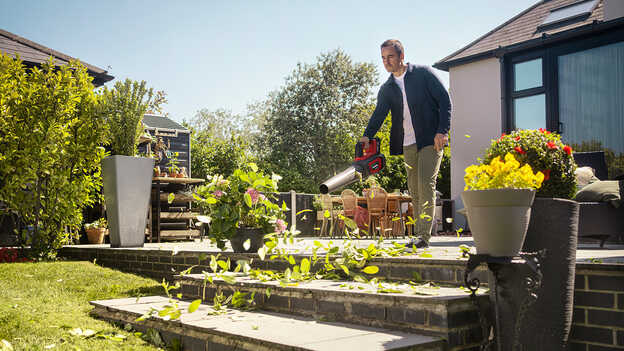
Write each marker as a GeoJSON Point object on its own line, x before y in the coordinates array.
{"type": "Point", "coordinates": [598, 220]}
{"type": "Point", "coordinates": [377, 204]}
{"type": "Point", "coordinates": [349, 205]}
{"type": "Point", "coordinates": [394, 216]}
{"type": "Point", "coordinates": [327, 207]}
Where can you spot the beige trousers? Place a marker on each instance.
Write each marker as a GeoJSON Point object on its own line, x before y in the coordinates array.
{"type": "Point", "coordinates": [422, 172]}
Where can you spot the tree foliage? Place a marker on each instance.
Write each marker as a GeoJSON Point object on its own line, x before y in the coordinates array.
{"type": "Point", "coordinates": [50, 154]}
{"type": "Point", "coordinates": [311, 123]}
{"type": "Point", "coordinates": [218, 144]}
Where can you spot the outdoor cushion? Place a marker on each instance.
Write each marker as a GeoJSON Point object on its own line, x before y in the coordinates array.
{"type": "Point", "coordinates": [602, 191]}
{"type": "Point", "coordinates": [584, 176]}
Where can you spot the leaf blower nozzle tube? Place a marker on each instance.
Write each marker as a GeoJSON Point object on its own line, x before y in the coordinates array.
{"type": "Point", "coordinates": [344, 178]}
{"type": "Point", "coordinates": [367, 161]}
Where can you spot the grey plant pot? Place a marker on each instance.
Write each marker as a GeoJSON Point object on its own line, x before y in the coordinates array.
{"type": "Point", "coordinates": [498, 219]}
{"type": "Point", "coordinates": [127, 183]}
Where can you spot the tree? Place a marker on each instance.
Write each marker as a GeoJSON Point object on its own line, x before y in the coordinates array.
{"type": "Point", "coordinates": [50, 153]}
{"type": "Point", "coordinates": [219, 144]}
{"type": "Point", "coordinates": [312, 122]}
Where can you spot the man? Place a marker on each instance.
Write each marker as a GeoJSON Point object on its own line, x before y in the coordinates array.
{"type": "Point", "coordinates": [418, 132]}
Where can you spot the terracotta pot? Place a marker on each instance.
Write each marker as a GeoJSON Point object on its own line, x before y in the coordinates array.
{"type": "Point", "coordinates": [498, 219]}
{"type": "Point", "coordinates": [96, 235]}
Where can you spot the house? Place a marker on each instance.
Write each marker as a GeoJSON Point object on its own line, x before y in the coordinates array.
{"type": "Point", "coordinates": [558, 65]}
{"type": "Point", "coordinates": [33, 54]}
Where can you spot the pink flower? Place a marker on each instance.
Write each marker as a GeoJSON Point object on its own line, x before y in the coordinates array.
{"type": "Point", "coordinates": [280, 226]}
{"type": "Point", "coordinates": [218, 193]}
{"type": "Point", "coordinates": [255, 195]}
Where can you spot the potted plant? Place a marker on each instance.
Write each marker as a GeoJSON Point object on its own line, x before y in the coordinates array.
{"type": "Point", "coordinates": [240, 208]}
{"type": "Point", "coordinates": [553, 227]}
{"type": "Point", "coordinates": [127, 179]}
{"type": "Point", "coordinates": [498, 198]}
{"type": "Point", "coordinates": [96, 231]}
{"type": "Point", "coordinates": [173, 169]}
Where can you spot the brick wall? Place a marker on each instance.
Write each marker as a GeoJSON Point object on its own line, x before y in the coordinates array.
{"type": "Point", "coordinates": [598, 322]}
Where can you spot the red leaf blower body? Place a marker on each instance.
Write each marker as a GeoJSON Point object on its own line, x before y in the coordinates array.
{"type": "Point", "coordinates": [367, 161]}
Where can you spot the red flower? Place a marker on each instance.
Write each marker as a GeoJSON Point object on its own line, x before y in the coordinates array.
{"type": "Point", "coordinates": [517, 138]}
{"type": "Point", "coordinates": [551, 145]}
{"type": "Point", "coordinates": [501, 137]}
{"type": "Point", "coordinates": [546, 174]}
{"type": "Point", "coordinates": [519, 150]}
{"type": "Point", "coordinates": [544, 131]}
{"type": "Point", "coordinates": [567, 149]}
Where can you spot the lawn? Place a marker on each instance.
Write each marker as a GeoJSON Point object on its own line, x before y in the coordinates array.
{"type": "Point", "coordinates": [43, 304]}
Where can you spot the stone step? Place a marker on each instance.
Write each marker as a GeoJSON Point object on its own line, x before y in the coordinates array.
{"type": "Point", "coordinates": [255, 330]}
{"type": "Point", "coordinates": [447, 312]}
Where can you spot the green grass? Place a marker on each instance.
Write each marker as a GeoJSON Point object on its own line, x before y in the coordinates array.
{"type": "Point", "coordinates": [40, 303]}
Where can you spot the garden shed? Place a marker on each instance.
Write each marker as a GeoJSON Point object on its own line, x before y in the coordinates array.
{"type": "Point", "coordinates": [175, 137]}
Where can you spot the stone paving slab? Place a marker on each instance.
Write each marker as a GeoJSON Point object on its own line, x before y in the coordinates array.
{"type": "Point", "coordinates": [265, 329]}
{"type": "Point", "coordinates": [443, 248]}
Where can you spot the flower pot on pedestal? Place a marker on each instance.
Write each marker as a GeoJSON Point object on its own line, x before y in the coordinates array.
{"type": "Point", "coordinates": [255, 235]}
{"type": "Point", "coordinates": [127, 182]}
{"type": "Point", "coordinates": [498, 219]}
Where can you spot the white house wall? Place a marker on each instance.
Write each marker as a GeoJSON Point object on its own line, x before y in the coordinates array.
{"type": "Point", "coordinates": [475, 90]}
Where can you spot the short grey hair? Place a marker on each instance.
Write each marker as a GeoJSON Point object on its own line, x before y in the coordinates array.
{"type": "Point", "coordinates": [395, 43]}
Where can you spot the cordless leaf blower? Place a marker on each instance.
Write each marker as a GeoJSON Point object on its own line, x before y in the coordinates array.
{"type": "Point", "coordinates": [367, 162]}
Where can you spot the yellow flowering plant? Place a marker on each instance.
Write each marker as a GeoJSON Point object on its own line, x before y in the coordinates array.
{"type": "Point", "coordinates": [500, 174]}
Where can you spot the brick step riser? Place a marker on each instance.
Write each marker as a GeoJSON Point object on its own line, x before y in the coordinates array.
{"type": "Point", "coordinates": [162, 264]}
{"type": "Point", "coordinates": [456, 321]}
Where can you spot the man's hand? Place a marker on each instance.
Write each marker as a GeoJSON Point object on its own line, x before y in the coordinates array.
{"type": "Point", "coordinates": [440, 141]}
{"type": "Point", "coordinates": [364, 140]}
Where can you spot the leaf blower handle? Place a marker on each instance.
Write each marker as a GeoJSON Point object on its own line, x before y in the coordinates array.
{"type": "Point", "coordinates": [364, 140]}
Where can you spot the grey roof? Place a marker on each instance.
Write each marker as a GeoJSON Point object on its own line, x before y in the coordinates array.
{"type": "Point", "coordinates": [522, 28]}
{"type": "Point", "coordinates": [161, 122]}
{"type": "Point", "coordinates": [36, 54]}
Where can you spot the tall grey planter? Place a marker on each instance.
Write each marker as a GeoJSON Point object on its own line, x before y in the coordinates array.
{"type": "Point", "coordinates": [553, 227]}
{"type": "Point", "coordinates": [127, 183]}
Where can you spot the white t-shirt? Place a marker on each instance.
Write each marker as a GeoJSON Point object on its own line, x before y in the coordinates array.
{"type": "Point", "coordinates": [409, 136]}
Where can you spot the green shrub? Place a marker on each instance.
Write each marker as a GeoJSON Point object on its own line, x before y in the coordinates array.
{"type": "Point", "coordinates": [50, 150]}
{"type": "Point", "coordinates": [544, 152]}
{"type": "Point", "coordinates": [124, 107]}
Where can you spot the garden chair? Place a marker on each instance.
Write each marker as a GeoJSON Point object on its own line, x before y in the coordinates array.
{"type": "Point", "coordinates": [327, 206]}
{"type": "Point", "coordinates": [349, 205]}
{"type": "Point", "coordinates": [409, 227]}
{"type": "Point", "coordinates": [394, 216]}
{"type": "Point", "coordinates": [377, 203]}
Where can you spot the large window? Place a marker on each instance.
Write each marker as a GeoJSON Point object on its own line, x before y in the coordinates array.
{"type": "Point", "coordinates": [575, 88]}
{"type": "Point", "coordinates": [591, 101]}
{"type": "Point", "coordinates": [529, 95]}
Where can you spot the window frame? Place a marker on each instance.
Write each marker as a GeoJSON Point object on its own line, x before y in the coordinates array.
{"type": "Point", "coordinates": [550, 69]}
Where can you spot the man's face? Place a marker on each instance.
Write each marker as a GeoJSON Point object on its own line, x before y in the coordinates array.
{"type": "Point", "coordinates": [391, 60]}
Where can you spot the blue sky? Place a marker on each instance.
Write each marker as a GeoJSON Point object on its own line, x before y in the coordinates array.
{"type": "Point", "coordinates": [227, 54]}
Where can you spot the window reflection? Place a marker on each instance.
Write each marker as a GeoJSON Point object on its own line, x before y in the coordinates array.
{"type": "Point", "coordinates": [528, 74]}
{"type": "Point", "coordinates": [530, 112]}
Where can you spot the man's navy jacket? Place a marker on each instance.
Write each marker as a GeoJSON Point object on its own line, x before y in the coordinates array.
{"type": "Point", "coordinates": [428, 101]}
